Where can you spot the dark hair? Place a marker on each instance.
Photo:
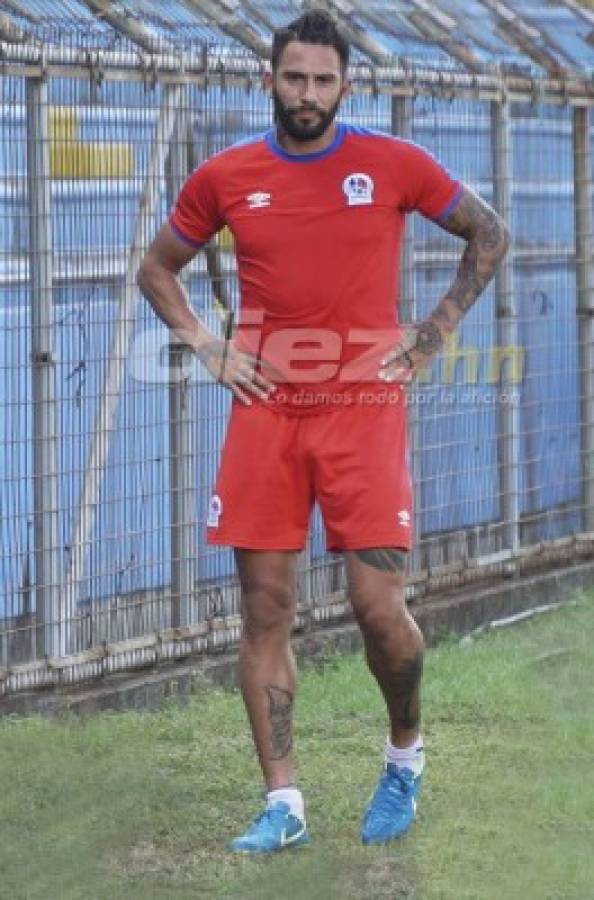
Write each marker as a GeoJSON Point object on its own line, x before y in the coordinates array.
{"type": "Point", "coordinates": [314, 27]}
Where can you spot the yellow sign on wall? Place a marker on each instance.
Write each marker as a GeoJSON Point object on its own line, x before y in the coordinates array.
{"type": "Point", "coordinates": [71, 158]}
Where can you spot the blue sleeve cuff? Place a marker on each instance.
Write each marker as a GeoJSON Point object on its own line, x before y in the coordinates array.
{"type": "Point", "coordinates": [451, 205]}
{"type": "Point", "coordinates": [184, 237]}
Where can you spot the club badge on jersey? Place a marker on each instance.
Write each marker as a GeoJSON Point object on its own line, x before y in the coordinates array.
{"type": "Point", "coordinates": [358, 188]}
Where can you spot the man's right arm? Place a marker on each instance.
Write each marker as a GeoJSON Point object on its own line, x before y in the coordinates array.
{"type": "Point", "coordinates": [158, 281]}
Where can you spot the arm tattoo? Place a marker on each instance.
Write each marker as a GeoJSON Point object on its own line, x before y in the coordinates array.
{"type": "Point", "coordinates": [487, 241]}
{"type": "Point", "coordinates": [428, 339]}
{"type": "Point", "coordinates": [406, 685]}
{"type": "Point", "coordinates": [388, 559]}
{"type": "Point", "coordinates": [280, 708]}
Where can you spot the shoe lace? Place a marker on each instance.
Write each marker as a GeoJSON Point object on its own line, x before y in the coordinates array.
{"type": "Point", "coordinates": [395, 786]}
{"type": "Point", "coordinates": [267, 817]}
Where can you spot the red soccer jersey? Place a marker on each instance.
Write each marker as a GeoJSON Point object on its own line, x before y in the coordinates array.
{"type": "Point", "coordinates": [317, 239]}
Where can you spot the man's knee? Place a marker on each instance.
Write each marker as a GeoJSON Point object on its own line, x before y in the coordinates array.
{"type": "Point", "coordinates": [388, 621]}
{"type": "Point", "coordinates": [268, 604]}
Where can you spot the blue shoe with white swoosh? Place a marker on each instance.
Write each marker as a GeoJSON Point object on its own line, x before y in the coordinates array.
{"type": "Point", "coordinates": [274, 829]}
{"type": "Point", "coordinates": [393, 807]}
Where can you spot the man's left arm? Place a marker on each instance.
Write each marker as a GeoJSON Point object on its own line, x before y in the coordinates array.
{"type": "Point", "coordinates": [487, 239]}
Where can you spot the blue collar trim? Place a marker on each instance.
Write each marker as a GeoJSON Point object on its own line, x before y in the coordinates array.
{"type": "Point", "coordinates": [276, 148]}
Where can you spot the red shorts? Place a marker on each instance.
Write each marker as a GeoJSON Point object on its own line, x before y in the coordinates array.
{"type": "Point", "coordinates": [352, 460]}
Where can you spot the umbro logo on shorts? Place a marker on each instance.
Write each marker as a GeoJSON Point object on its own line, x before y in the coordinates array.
{"type": "Point", "coordinates": [404, 518]}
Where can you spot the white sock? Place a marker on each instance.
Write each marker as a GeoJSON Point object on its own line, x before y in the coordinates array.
{"type": "Point", "coordinates": [291, 796]}
{"type": "Point", "coordinates": [412, 757]}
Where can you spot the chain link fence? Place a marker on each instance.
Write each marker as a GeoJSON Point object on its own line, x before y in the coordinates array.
{"type": "Point", "coordinates": [110, 434]}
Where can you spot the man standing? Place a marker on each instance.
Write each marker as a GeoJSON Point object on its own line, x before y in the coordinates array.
{"type": "Point", "coordinates": [317, 369]}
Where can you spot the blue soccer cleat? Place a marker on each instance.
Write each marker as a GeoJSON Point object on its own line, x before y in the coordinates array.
{"type": "Point", "coordinates": [273, 830]}
{"type": "Point", "coordinates": [393, 807]}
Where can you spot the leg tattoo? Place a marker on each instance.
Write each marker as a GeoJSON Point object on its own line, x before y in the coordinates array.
{"type": "Point", "coordinates": [279, 712]}
{"type": "Point", "coordinates": [388, 559]}
{"type": "Point", "coordinates": [405, 689]}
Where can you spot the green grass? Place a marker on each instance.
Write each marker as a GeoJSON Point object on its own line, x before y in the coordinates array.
{"type": "Point", "coordinates": [141, 805]}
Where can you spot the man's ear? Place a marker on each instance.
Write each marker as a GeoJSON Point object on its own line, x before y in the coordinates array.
{"type": "Point", "coordinates": [267, 81]}
{"type": "Point", "coordinates": [347, 89]}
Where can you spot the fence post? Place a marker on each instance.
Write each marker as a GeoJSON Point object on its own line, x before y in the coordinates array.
{"type": "Point", "coordinates": [585, 300]}
{"type": "Point", "coordinates": [507, 332]}
{"type": "Point", "coordinates": [108, 401]}
{"type": "Point", "coordinates": [181, 426]}
{"type": "Point", "coordinates": [402, 126]}
{"type": "Point", "coordinates": [45, 439]}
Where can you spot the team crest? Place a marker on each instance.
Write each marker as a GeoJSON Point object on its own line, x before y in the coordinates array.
{"type": "Point", "coordinates": [358, 188]}
{"type": "Point", "coordinates": [214, 511]}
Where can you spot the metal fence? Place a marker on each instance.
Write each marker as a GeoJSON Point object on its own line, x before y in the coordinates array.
{"type": "Point", "coordinates": [109, 436]}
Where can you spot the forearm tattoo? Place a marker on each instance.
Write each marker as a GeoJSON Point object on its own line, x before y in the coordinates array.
{"type": "Point", "coordinates": [280, 710]}
{"type": "Point", "coordinates": [428, 339]}
{"type": "Point", "coordinates": [406, 686]}
{"type": "Point", "coordinates": [388, 559]}
{"type": "Point", "coordinates": [488, 240]}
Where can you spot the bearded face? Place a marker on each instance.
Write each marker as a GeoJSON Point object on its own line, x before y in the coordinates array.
{"type": "Point", "coordinates": [307, 89]}
{"type": "Point", "coordinates": [304, 122]}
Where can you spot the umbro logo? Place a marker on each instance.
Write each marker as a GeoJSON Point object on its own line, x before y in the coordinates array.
{"type": "Point", "coordinates": [258, 200]}
{"type": "Point", "coordinates": [404, 518]}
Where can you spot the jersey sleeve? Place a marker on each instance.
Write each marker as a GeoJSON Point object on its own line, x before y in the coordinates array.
{"type": "Point", "coordinates": [429, 188]}
{"type": "Point", "coordinates": [195, 216]}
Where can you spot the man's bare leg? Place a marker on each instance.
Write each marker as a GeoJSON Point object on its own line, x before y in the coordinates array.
{"type": "Point", "coordinates": [393, 642]}
{"type": "Point", "coordinates": [266, 662]}
{"type": "Point", "coordinates": [394, 650]}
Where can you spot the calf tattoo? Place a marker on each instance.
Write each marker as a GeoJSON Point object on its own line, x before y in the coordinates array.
{"type": "Point", "coordinates": [405, 688]}
{"type": "Point", "coordinates": [280, 707]}
{"type": "Point", "coordinates": [388, 559]}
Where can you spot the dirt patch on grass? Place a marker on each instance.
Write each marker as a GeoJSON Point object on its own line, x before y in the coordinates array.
{"type": "Point", "coordinates": [147, 856]}
{"type": "Point", "coordinates": [384, 878]}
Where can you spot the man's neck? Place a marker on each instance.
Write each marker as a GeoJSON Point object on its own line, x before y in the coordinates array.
{"type": "Point", "coordinates": [301, 148]}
